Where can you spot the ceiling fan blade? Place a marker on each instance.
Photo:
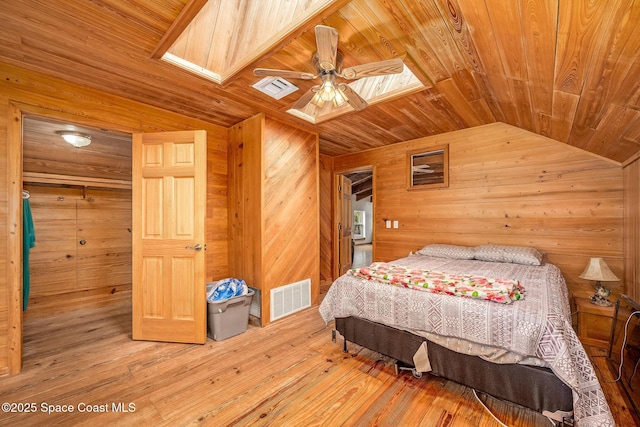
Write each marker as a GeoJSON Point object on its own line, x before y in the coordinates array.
{"type": "Point", "coordinates": [327, 43]}
{"type": "Point", "coordinates": [381, 68]}
{"type": "Point", "coordinates": [287, 74]}
{"type": "Point", "coordinates": [304, 99]}
{"type": "Point", "coordinates": [356, 101]}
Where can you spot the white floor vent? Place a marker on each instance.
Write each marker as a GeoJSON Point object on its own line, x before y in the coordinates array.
{"type": "Point", "coordinates": [291, 298]}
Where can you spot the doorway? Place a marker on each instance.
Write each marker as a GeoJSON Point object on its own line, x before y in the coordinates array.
{"type": "Point", "coordinates": [360, 211]}
{"type": "Point", "coordinates": [80, 203]}
{"type": "Point", "coordinates": [17, 113]}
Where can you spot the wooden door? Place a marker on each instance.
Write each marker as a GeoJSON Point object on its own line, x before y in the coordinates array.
{"type": "Point", "coordinates": [345, 226]}
{"type": "Point", "coordinates": [169, 203]}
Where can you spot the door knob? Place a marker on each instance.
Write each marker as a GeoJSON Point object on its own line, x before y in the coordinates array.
{"type": "Point", "coordinates": [83, 242]}
{"type": "Point", "coordinates": [197, 247]}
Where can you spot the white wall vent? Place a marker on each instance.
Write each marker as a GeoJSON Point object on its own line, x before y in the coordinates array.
{"type": "Point", "coordinates": [255, 309]}
{"type": "Point", "coordinates": [291, 298]}
{"type": "Point", "coordinates": [275, 87]}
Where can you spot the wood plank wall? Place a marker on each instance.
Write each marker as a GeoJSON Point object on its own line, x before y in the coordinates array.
{"type": "Point", "coordinates": [38, 95]}
{"type": "Point", "coordinates": [83, 245]}
{"type": "Point", "coordinates": [506, 186]}
{"type": "Point", "coordinates": [632, 229]}
{"type": "Point", "coordinates": [217, 255]}
{"type": "Point", "coordinates": [291, 207]}
{"type": "Point", "coordinates": [273, 207]}
{"type": "Point", "coordinates": [326, 216]}
{"type": "Point", "coordinates": [245, 200]}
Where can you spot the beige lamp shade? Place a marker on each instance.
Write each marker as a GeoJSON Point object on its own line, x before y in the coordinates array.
{"type": "Point", "coordinates": [599, 271]}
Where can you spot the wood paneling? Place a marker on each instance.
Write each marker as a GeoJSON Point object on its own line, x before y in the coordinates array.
{"type": "Point", "coordinates": [59, 263]}
{"type": "Point", "coordinates": [291, 208]}
{"type": "Point", "coordinates": [273, 207]}
{"type": "Point", "coordinates": [107, 157]}
{"type": "Point", "coordinates": [326, 215]}
{"type": "Point", "coordinates": [565, 69]}
{"type": "Point", "coordinates": [506, 186]}
{"type": "Point", "coordinates": [632, 230]}
{"type": "Point", "coordinates": [246, 229]}
{"type": "Point", "coordinates": [35, 94]}
{"type": "Point", "coordinates": [216, 225]}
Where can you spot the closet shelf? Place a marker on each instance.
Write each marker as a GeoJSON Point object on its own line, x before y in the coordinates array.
{"type": "Point", "coordinates": [81, 181]}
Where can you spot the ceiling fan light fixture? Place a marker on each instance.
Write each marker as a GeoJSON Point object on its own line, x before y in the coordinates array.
{"type": "Point", "coordinates": [317, 100]}
{"type": "Point", "coordinates": [329, 91]}
{"type": "Point", "coordinates": [328, 63]}
{"type": "Point", "coordinates": [77, 139]}
{"type": "Point", "coordinates": [340, 97]}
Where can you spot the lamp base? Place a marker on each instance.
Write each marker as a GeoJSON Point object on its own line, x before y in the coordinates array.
{"type": "Point", "coordinates": [601, 296]}
{"type": "Point", "coordinates": [598, 300]}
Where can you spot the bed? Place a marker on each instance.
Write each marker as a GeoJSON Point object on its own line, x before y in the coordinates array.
{"type": "Point", "coordinates": [524, 351]}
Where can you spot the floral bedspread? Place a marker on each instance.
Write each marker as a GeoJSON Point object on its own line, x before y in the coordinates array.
{"type": "Point", "coordinates": [504, 291]}
{"type": "Point", "coordinates": [537, 326]}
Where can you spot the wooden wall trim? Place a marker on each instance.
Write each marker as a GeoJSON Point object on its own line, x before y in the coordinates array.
{"type": "Point", "coordinates": [315, 290]}
{"type": "Point", "coordinates": [631, 160]}
{"type": "Point", "coordinates": [186, 15]}
{"type": "Point", "coordinates": [14, 241]}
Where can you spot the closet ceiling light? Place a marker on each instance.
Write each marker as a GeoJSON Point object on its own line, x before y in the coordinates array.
{"type": "Point", "coordinates": [76, 139]}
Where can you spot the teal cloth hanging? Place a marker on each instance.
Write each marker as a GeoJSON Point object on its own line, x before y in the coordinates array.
{"type": "Point", "coordinates": [28, 242]}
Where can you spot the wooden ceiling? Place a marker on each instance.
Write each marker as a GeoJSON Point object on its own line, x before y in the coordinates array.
{"type": "Point", "coordinates": [44, 152]}
{"type": "Point", "coordinates": [362, 184]}
{"type": "Point", "coordinates": [569, 70]}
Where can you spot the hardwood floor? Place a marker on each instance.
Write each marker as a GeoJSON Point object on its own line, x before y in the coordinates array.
{"type": "Point", "coordinates": [289, 373]}
{"type": "Point", "coordinates": [362, 255]}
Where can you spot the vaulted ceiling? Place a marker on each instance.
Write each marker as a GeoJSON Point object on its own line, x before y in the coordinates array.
{"type": "Point", "coordinates": [566, 69]}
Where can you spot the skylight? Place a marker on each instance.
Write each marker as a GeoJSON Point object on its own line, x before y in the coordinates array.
{"type": "Point", "coordinates": [226, 36]}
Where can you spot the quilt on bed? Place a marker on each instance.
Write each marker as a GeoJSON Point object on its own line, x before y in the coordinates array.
{"type": "Point", "coordinates": [500, 290]}
{"type": "Point", "coordinates": [537, 326]}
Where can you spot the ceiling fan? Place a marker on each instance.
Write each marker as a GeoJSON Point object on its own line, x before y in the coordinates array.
{"type": "Point", "coordinates": [327, 61]}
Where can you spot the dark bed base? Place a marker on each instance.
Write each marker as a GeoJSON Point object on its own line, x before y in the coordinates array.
{"type": "Point", "coordinates": [532, 387]}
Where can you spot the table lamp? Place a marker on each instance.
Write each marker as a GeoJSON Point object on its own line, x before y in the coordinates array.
{"type": "Point", "coordinates": [599, 271]}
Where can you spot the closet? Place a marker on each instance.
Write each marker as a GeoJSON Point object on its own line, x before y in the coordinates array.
{"type": "Point", "coordinates": [83, 245]}
{"type": "Point", "coordinates": [80, 202]}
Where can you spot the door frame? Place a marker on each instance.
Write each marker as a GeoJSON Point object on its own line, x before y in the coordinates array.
{"type": "Point", "coordinates": [15, 112]}
{"type": "Point", "coordinates": [336, 214]}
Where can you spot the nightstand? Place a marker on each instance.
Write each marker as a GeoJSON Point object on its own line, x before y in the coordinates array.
{"type": "Point", "coordinates": [594, 323]}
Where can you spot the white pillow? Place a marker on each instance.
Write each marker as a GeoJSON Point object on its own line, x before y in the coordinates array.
{"type": "Point", "coordinates": [448, 251]}
{"type": "Point", "coordinates": [513, 254]}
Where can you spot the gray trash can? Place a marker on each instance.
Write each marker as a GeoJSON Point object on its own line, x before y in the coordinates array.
{"type": "Point", "coordinates": [228, 317]}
